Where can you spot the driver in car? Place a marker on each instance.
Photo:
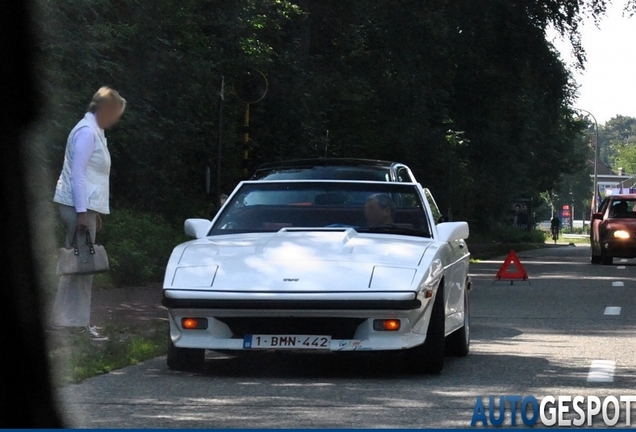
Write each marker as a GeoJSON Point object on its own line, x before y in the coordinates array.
{"type": "Point", "coordinates": [620, 209]}
{"type": "Point", "coordinates": [379, 209]}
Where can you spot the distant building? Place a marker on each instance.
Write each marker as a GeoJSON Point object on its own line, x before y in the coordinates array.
{"type": "Point", "coordinates": [610, 181]}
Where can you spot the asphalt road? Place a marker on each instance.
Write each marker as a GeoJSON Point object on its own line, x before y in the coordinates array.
{"type": "Point", "coordinates": [539, 339]}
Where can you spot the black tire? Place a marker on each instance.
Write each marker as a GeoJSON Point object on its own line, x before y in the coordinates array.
{"type": "Point", "coordinates": [185, 359]}
{"type": "Point", "coordinates": [429, 357]}
{"type": "Point", "coordinates": [594, 259]}
{"type": "Point", "coordinates": [606, 259]}
{"type": "Point", "coordinates": [458, 342]}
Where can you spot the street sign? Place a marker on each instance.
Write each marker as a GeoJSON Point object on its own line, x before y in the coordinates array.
{"type": "Point", "coordinates": [566, 211]}
{"type": "Point", "coordinates": [250, 86]}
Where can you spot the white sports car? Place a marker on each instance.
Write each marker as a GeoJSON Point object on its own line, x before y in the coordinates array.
{"type": "Point", "coordinates": [321, 265]}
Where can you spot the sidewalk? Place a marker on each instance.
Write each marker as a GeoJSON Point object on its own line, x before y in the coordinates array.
{"type": "Point", "coordinates": [128, 306]}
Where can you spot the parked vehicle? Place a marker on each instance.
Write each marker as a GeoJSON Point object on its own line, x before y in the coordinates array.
{"type": "Point", "coordinates": [321, 265]}
{"type": "Point", "coordinates": [613, 233]}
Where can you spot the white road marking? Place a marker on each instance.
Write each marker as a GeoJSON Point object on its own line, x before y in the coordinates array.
{"type": "Point", "coordinates": [621, 267]}
{"type": "Point", "coordinates": [612, 310]}
{"type": "Point", "coordinates": [618, 283]}
{"type": "Point", "coordinates": [601, 371]}
{"type": "Point", "coordinates": [623, 259]}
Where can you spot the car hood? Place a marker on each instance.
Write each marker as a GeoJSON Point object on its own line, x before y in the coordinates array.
{"type": "Point", "coordinates": [298, 261]}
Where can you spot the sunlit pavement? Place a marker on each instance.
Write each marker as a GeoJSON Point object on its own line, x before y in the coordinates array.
{"type": "Point", "coordinates": [571, 331]}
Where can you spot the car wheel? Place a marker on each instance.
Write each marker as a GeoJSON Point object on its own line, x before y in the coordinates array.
{"type": "Point", "coordinates": [605, 259]}
{"type": "Point", "coordinates": [458, 342]}
{"type": "Point", "coordinates": [184, 359]}
{"type": "Point", "coordinates": [594, 259]}
{"type": "Point", "coordinates": [429, 357]}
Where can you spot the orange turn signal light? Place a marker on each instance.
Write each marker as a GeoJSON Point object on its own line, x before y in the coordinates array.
{"type": "Point", "coordinates": [194, 323]}
{"type": "Point", "coordinates": [386, 325]}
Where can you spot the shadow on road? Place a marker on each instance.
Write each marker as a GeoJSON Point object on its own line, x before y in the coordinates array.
{"type": "Point", "coordinates": [303, 365]}
{"type": "Point", "coordinates": [482, 371]}
{"type": "Point", "coordinates": [489, 333]}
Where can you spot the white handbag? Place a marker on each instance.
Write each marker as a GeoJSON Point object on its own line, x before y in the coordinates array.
{"type": "Point", "coordinates": [82, 259]}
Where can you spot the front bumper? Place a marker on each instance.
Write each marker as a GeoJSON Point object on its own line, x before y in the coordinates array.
{"type": "Point", "coordinates": [348, 322]}
{"type": "Point", "coordinates": [620, 248]}
{"type": "Point", "coordinates": [406, 304]}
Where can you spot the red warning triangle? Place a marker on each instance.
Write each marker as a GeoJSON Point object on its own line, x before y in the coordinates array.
{"type": "Point", "coordinates": [518, 274]}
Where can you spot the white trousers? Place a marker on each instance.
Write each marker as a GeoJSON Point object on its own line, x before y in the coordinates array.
{"type": "Point", "coordinates": [72, 305]}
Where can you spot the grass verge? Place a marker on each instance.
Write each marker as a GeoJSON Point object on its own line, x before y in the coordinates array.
{"type": "Point", "coordinates": [76, 357]}
{"type": "Point", "coordinates": [571, 240]}
{"type": "Point", "coordinates": [489, 251]}
{"type": "Point", "coordinates": [497, 243]}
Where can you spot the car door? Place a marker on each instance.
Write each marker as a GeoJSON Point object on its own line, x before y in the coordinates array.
{"type": "Point", "coordinates": [596, 224]}
{"type": "Point", "coordinates": [456, 260]}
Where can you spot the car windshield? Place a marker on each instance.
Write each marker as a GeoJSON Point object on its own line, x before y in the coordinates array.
{"type": "Point", "coordinates": [325, 173]}
{"type": "Point", "coordinates": [386, 208]}
{"type": "Point", "coordinates": [622, 208]}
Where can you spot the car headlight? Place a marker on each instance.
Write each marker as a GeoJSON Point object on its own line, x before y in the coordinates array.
{"type": "Point", "coordinates": [621, 234]}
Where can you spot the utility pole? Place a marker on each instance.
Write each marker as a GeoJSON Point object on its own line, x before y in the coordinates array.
{"type": "Point", "coordinates": [246, 140]}
{"type": "Point", "coordinates": [250, 87]}
{"type": "Point", "coordinates": [594, 200]}
{"type": "Point", "coordinates": [220, 144]}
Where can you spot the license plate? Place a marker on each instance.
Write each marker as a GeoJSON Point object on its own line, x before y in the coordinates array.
{"type": "Point", "coordinates": [286, 342]}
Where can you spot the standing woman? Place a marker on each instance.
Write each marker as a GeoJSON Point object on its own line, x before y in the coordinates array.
{"type": "Point", "coordinates": [82, 195]}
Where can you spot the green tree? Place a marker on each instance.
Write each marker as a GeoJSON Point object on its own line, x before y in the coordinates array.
{"type": "Point", "coordinates": [618, 138]}
{"type": "Point", "coordinates": [469, 94]}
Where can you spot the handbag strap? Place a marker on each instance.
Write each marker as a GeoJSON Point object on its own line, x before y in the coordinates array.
{"type": "Point", "coordinates": [74, 242]}
{"type": "Point", "coordinates": [89, 242]}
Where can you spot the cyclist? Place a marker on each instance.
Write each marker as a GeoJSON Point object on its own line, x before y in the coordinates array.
{"type": "Point", "coordinates": [555, 227]}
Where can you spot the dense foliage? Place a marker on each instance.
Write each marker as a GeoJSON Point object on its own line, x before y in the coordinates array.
{"type": "Point", "coordinates": [618, 143]}
{"type": "Point", "coordinates": [139, 245]}
{"type": "Point", "coordinates": [468, 93]}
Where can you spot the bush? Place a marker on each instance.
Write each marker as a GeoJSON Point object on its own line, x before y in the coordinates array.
{"type": "Point", "coordinates": [512, 234]}
{"type": "Point", "coordinates": [138, 245]}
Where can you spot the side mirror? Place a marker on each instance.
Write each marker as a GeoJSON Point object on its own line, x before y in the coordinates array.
{"type": "Point", "coordinates": [451, 231]}
{"type": "Point", "coordinates": [597, 216]}
{"type": "Point", "coordinates": [197, 228]}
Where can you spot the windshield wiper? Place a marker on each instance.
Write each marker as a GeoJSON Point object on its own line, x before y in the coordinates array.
{"type": "Point", "coordinates": [393, 229]}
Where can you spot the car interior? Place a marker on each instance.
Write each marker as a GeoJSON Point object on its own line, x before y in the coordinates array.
{"type": "Point", "coordinates": [276, 217]}
{"type": "Point", "coordinates": [623, 209]}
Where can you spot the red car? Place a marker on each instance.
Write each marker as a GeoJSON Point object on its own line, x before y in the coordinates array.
{"type": "Point", "coordinates": [613, 231]}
